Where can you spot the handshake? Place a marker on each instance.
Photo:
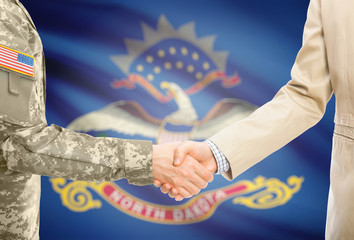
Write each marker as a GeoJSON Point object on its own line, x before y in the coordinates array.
{"type": "Point", "coordinates": [183, 169]}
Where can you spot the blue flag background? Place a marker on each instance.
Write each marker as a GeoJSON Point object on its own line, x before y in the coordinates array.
{"type": "Point", "coordinates": [94, 48]}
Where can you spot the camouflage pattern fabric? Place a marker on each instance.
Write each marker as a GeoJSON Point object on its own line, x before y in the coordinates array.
{"type": "Point", "coordinates": [30, 148]}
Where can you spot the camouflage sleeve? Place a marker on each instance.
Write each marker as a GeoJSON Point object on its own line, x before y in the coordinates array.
{"type": "Point", "coordinates": [29, 145]}
{"type": "Point", "coordinates": [59, 152]}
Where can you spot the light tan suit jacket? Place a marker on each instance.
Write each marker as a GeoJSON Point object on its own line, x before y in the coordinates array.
{"type": "Point", "coordinates": [324, 65]}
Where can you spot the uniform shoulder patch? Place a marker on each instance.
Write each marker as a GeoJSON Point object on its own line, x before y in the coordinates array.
{"type": "Point", "coordinates": [16, 61]}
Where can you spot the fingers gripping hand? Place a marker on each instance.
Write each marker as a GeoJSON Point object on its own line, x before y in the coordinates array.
{"type": "Point", "coordinates": [196, 178]}
{"type": "Point", "coordinates": [168, 189]}
{"type": "Point", "coordinates": [188, 178]}
{"type": "Point", "coordinates": [199, 151]}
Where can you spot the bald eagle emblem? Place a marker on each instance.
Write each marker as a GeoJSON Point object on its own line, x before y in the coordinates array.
{"type": "Point", "coordinates": [172, 66]}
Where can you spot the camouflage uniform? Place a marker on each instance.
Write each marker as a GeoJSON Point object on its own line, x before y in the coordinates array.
{"type": "Point", "coordinates": [30, 148]}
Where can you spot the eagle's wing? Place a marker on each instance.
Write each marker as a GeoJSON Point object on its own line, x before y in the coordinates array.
{"type": "Point", "coordinates": [223, 114]}
{"type": "Point", "coordinates": [125, 117]}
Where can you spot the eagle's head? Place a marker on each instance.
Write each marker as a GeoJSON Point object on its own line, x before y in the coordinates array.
{"type": "Point", "coordinates": [186, 111]}
{"type": "Point", "coordinates": [172, 88]}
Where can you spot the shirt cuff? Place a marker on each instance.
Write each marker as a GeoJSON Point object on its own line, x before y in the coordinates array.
{"type": "Point", "coordinates": [221, 161]}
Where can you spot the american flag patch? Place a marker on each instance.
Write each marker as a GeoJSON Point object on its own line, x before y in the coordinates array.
{"type": "Point", "coordinates": [16, 61]}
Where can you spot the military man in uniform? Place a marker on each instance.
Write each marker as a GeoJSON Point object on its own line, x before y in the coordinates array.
{"type": "Point", "coordinates": [30, 148]}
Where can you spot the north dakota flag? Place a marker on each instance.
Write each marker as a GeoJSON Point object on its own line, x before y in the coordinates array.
{"type": "Point", "coordinates": [176, 70]}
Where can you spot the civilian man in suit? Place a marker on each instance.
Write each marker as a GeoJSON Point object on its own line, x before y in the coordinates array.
{"type": "Point", "coordinates": [324, 65]}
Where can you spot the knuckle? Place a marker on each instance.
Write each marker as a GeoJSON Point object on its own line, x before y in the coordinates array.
{"type": "Point", "coordinates": [163, 190]}
{"type": "Point", "coordinates": [179, 198]}
{"type": "Point", "coordinates": [190, 163]}
{"type": "Point", "coordinates": [185, 173]}
{"type": "Point", "coordinates": [201, 184]}
{"type": "Point", "coordinates": [189, 195]}
{"type": "Point", "coordinates": [195, 191]}
{"type": "Point", "coordinates": [185, 194]}
{"type": "Point", "coordinates": [174, 191]}
{"type": "Point", "coordinates": [205, 175]}
{"type": "Point", "coordinates": [177, 181]}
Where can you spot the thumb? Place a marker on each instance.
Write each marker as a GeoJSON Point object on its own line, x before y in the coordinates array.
{"type": "Point", "coordinates": [181, 152]}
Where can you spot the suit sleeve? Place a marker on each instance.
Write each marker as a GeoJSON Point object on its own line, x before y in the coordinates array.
{"type": "Point", "coordinates": [298, 105]}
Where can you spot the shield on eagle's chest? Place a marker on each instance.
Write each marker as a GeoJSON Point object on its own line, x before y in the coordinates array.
{"type": "Point", "coordinates": [172, 131]}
